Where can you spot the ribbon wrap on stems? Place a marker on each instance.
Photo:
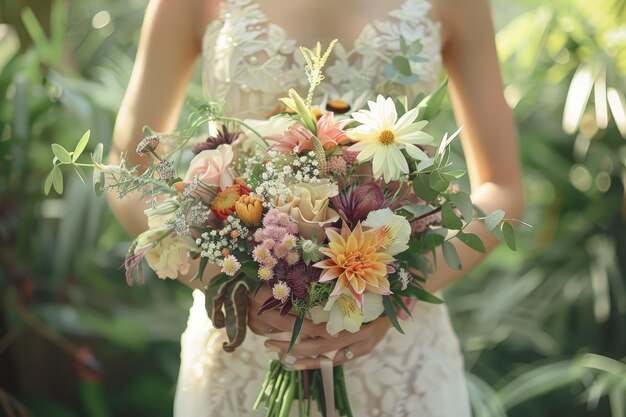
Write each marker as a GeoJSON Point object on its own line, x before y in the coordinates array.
{"type": "Point", "coordinates": [327, 371]}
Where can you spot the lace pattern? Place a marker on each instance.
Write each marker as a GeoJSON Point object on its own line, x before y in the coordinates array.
{"type": "Point", "coordinates": [418, 374]}
{"type": "Point", "coordinates": [250, 62]}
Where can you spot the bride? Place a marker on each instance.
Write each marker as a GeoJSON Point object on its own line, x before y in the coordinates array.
{"type": "Point", "coordinates": [250, 58]}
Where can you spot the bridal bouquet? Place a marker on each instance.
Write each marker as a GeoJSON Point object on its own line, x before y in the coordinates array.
{"type": "Point", "coordinates": [334, 211]}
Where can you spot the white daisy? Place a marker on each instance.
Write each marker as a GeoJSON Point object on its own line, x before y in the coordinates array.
{"type": "Point", "coordinates": [382, 136]}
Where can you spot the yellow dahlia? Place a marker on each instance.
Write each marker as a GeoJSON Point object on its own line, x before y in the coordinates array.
{"type": "Point", "coordinates": [357, 260]}
{"type": "Point", "coordinates": [381, 136]}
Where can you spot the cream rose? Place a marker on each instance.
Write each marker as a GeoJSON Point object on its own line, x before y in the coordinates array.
{"type": "Point", "coordinates": [307, 204]}
{"type": "Point", "coordinates": [169, 257]}
{"type": "Point", "coordinates": [212, 166]}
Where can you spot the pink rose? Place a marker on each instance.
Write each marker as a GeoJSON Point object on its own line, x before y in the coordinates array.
{"type": "Point", "coordinates": [212, 166]}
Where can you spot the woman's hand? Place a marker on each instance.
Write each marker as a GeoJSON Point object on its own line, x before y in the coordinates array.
{"type": "Point", "coordinates": [304, 354]}
{"type": "Point", "coordinates": [271, 322]}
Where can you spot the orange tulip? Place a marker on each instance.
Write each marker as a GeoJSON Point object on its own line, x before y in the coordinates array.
{"type": "Point", "coordinates": [250, 210]}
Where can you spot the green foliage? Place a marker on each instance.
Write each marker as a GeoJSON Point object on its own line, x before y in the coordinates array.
{"type": "Point", "coordinates": [526, 319]}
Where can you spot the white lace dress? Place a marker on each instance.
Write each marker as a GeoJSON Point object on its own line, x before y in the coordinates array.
{"type": "Point", "coordinates": [249, 63]}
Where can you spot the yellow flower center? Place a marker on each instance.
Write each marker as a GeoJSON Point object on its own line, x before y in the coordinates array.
{"type": "Point", "coordinates": [226, 199]}
{"type": "Point", "coordinates": [348, 306]}
{"type": "Point", "coordinates": [386, 137]}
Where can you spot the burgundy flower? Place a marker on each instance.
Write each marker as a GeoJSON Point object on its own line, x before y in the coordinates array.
{"type": "Point", "coordinates": [355, 202]}
{"type": "Point", "coordinates": [213, 142]}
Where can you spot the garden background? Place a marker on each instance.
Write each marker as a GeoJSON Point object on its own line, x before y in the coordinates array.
{"type": "Point", "coordinates": [543, 329]}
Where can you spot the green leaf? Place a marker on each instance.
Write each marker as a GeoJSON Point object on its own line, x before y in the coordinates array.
{"type": "Point", "coordinates": [80, 172]}
{"type": "Point", "coordinates": [250, 269]}
{"type": "Point", "coordinates": [201, 267]}
{"type": "Point", "coordinates": [61, 153]}
{"type": "Point", "coordinates": [407, 79]}
{"type": "Point", "coordinates": [403, 45]}
{"type": "Point", "coordinates": [509, 235]}
{"type": "Point", "coordinates": [218, 280]}
{"type": "Point", "coordinates": [472, 240]}
{"type": "Point", "coordinates": [417, 210]}
{"type": "Point", "coordinates": [454, 174]}
{"type": "Point", "coordinates": [451, 256]}
{"type": "Point", "coordinates": [57, 180]}
{"type": "Point", "coordinates": [494, 219]}
{"type": "Point", "coordinates": [433, 239]}
{"type": "Point", "coordinates": [80, 146]}
{"type": "Point", "coordinates": [416, 47]}
{"type": "Point", "coordinates": [432, 103]}
{"type": "Point", "coordinates": [402, 65]}
{"type": "Point", "coordinates": [427, 297]}
{"type": "Point", "coordinates": [297, 326]}
{"type": "Point", "coordinates": [98, 176]}
{"type": "Point", "coordinates": [438, 183]}
{"type": "Point", "coordinates": [463, 202]}
{"type": "Point", "coordinates": [48, 184]}
{"type": "Point", "coordinates": [449, 218]}
{"type": "Point", "coordinates": [497, 233]}
{"type": "Point", "coordinates": [389, 71]}
{"type": "Point", "coordinates": [390, 312]}
{"type": "Point", "coordinates": [422, 189]}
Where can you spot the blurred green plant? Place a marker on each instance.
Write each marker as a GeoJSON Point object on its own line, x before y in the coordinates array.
{"type": "Point", "coordinates": [563, 301]}
{"type": "Point", "coordinates": [543, 344]}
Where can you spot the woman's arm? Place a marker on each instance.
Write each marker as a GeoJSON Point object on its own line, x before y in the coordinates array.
{"type": "Point", "coordinates": [489, 135]}
{"type": "Point", "coordinates": [169, 44]}
{"type": "Point", "coordinates": [490, 144]}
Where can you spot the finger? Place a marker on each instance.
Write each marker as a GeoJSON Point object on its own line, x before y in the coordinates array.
{"type": "Point", "coordinates": [287, 323]}
{"type": "Point", "coordinates": [313, 347]}
{"type": "Point", "coordinates": [357, 349]}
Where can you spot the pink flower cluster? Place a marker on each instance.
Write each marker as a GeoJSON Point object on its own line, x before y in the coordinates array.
{"type": "Point", "coordinates": [277, 240]}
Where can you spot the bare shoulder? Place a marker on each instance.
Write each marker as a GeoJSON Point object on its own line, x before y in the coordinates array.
{"type": "Point", "coordinates": [461, 17]}
{"type": "Point", "coordinates": [193, 15]}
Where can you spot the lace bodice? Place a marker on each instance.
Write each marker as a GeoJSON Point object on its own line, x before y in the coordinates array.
{"type": "Point", "coordinates": [250, 61]}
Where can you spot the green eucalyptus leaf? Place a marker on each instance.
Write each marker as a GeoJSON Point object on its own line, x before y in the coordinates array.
{"type": "Point", "coordinates": [449, 218]}
{"type": "Point", "coordinates": [61, 153]}
{"type": "Point", "coordinates": [422, 189]}
{"type": "Point", "coordinates": [492, 221]}
{"type": "Point", "coordinates": [463, 202]}
{"type": "Point", "coordinates": [48, 184]}
{"type": "Point", "coordinates": [509, 235]}
{"type": "Point", "coordinates": [497, 233]}
{"type": "Point", "coordinates": [402, 65]}
{"type": "Point", "coordinates": [404, 47]}
{"type": "Point", "coordinates": [426, 164]}
{"type": "Point", "coordinates": [416, 47]}
{"type": "Point", "coordinates": [417, 210]}
{"type": "Point", "coordinates": [453, 175]}
{"type": "Point", "coordinates": [80, 172]}
{"type": "Point", "coordinates": [472, 240]}
{"type": "Point", "coordinates": [451, 255]}
{"type": "Point", "coordinates": [437, 182]}
{"type": "Point", "coordinates": [80, 146]}
{"type": "Point", "coordinates": [407, 79]}
{"type": "Point", "coordinates": [57, 179]}
{"type": "Point", "coordinates": [389, 71]}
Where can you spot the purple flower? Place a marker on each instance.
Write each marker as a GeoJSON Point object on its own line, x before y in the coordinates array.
{"type": "Point", "coordinates": [223, 137]}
